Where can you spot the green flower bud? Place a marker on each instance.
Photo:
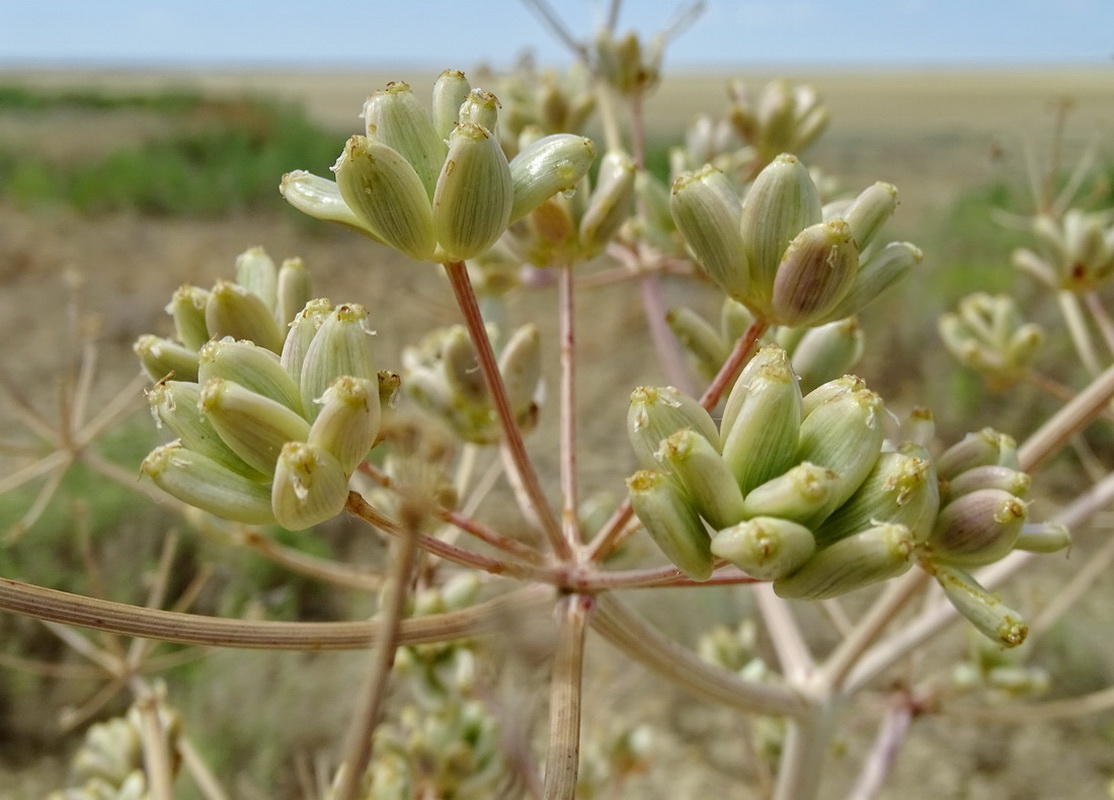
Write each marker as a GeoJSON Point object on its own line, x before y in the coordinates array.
{"type": "Point", "coordinates": [657, 412]}
{"type": "Point", "coordinates": [187, 307]}
{"type": "Point", "coordinates": [385, 192]}
{"type": "Point", "coordinates": [255, 271]}
{"type": "Point", "coordinates": [252, 367]}
{"type": "Point", "coordinates": [982, 609]}
{"type": "Point", "coordinates": [342, 346]}
{"type": "Point", "coordinates": [781, 203]}
{"type": "Point", "coordinates": [654, 199]}
{"type": "Point", "coordinates": [706, 210]}
{"type": "Point", "coordinates": [461, 367]}
{"type": "Point", "coordinates": [234, 311]}
{"type": "Point", "coordinates": [302, 331]}
{"type": "Point", "coordinates": [986, 447]}
{"type": "Point", "coordinates": [472, 203]}
{"type": "Point", "coordinates": [734, 320]}
{"type": "Point", "coordinates": [162, 357]}
{"type": "Point", "coordinates": [480, 108]}
{"type": "Point", "coordinates": [978, 528]}
{"type": "Point", "coordinates": [550, 165]}
{"type": "Point", "coordinates": [698, 337]}
{"type": "Point", "coordinates": [520, 364]}
{"type": "Point", "coordinates": [394, 117]}
{"type": "Point", "coordinates": [310, 487]}
{"type": "Point", "coordinates": [175, 405]}
{"type": "Point", "coordinates": [990, 476]}
{"type": "Point", "coordinates": [797, 495]}
{"type": "Point", "coordinates": [762, 419]}
{"type": "Point", "coordinates": [201, 482]}
{"type": "Point", "coordinates": [321, 199]}
{"type": "Point", "coordinates": [449, 93]}
{"type": "Point", "coordinates": [845, 435]}
{"type": "Point", "coordinates": [816, 271]}
{"type": "Point", "coordinates": [826, 352]}
{"type": "Point", "coordinates": [766, 548]}
{"type": "Point", "coordinates": [870, 211]}
{"type": "Point", "coordinates": [672, 523]}
{"type": "Point", "coordinates": [900, 489]}
{"type": "Point", "coordinates": [295, 289]}
{"type": "Point", "coordinates": [704, 476]}
{"type": "Point", "coordinates": [876, 273]}
{"type": "Point", "coordinates": [827, 391]}
{"type": "Point", "coordinates": [1043, 537]}
{"type": "Point", "coordinates": [876, 554]}
{"type": "Point", "coordinates": [610, 203]}
{"type": "Point", "coordinates": [253, 426]}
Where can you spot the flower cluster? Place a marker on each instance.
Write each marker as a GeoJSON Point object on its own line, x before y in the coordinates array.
{"type": "Point", "coordinates": [1074, 252]}
{"type": "Point", "coordinates": [805, 491]}
{"type": "Point", "coordinates": [988, 334]}
{"type": "Point", "coordinates": [269, 426]}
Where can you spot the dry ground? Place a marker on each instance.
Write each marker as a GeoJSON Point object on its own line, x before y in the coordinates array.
{"type": "Point", "coordinates": [929, 133]}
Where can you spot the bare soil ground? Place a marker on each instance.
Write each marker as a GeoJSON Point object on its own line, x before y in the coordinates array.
{"type": "Point", "coordinates": [930, 133]}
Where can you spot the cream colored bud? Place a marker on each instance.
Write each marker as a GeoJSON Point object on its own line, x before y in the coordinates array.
{"type": "Point", "coordinates": [251, 366]}
{"type": "Point", "coordinates": [461, 367]}
{"type": "Point", "coordinates": [201, 482]}
{"type": "Point", "coordinates": [978, 528]}
{"type": "Point", "coordinates": [546, 167]}
{"type": "Point", "coordinates": [295, 289]}
{"type": "Point", "coordinates": [394, 117]}
{"type": "Point", "coordinates": [658, 411]}
{"type": "Point", "coordinates": [253, 426]}
{"type": "Point", "coordinates": [672, 523]}
{"type": "Point", "coordinates": [706, 210]}
{"type": "Point", "coordinates": [781, 203]}
{"type": "Point", "coordinates": [474, 195]}
{"type": "Point", "coordinates": [480, 108]}
{"type": "Point", "coordinates": [990, 476]}
{"type": "Point", "coordinates": [766, 548]}
{"type": "Point", "coordinates": [383, 189]}
{"type": "Point", "coordinates": [303, 329]}
{"type": "Point", "coordinates": [653, 203]}
{"type": "Point", "coordinates": [310, 487]}
{"type": "Point", "coordinates": [878, 272]}
{"type": "Point", "coordinates": [162, 358]}
{"type": "Point", "coordinates": [342, 346]}
{"type": "Point", "coordinates": [321, 199]}
{"type": "Point", "coordinates": [698, 337]}
{"type": "Point", "coordinates": [798, 495]}
{"type": "Point", "coordinates": [982, 609]}
{"type": "Point", "coordinates": [704, 476]}
{"type": "Point", "coordinates": [985, 447]}
{"type": "Point", "coordinates": [816, 271]}
{"type": "Point", "coordinates": [1043, 537]}
{"type": "Point", "coordinates": [187, 307]}
{"type": "Point", "coordinates": [762, 419]}
{"type": "Point", "coordinates": [256, 272]}
{"type": "Point", "coordinates": [232, 310]}
{"type": "Point", "coordinates": [520, 364]}
{"type": "Point", "coordinates": [828, 351]}
{"type": "Point", "coordinates": [830, 390]}
{"type": "Point", "coordinates": [870, 211]}
{"type": "Point", "coordinates": [449, 93]}
{"type": "Point", "coordinates": [876, 554]}
{"type": "Point", "coordinates": [610, 204]}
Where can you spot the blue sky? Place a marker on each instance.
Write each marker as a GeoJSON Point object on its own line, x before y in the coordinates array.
{"type": "Point", "coordinates": [461, 33]}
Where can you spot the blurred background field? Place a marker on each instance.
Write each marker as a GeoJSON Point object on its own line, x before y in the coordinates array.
{"type": "Point", "coordinates": [116, 186]}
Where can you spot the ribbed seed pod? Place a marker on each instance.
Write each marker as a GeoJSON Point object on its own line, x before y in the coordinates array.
{"type": "Point", "coordinates": [385, 192]}
{"type": "Point", "coordinates": [817, 269]}
{"type": "Point", "coordinates": [876, 554]}
{"type": "Point", "coordinates": [461, 368]}
{"type": "Point", "coordinates": [200, 481]}
{"type": "Point", "coordinates": [877, 272]}
{"type": "Point", "coordinates": [162, 358]}
{"type": "Point", "coordinates": [762, 419]}
{"type": "Point", "coordinates": [295, 289]}
{"type": "Point", "coordinates": [255, 271]}
{"type": "Point", "coordinates": [698, 337]}
{"type": "Point", "coordinates": [187, 307]}
{"type": "Point", "coordinates": [342, 346]}
{"type": "Point", "coordinates": [449, 93]}
{"type": "Point", "coordinates": [706, 210]}
{"type": "Point", "coordinates": [707, 480]}
{"type": "Point", "coordinates": [302, 331]}
{"type": "Point", "coordinates": [232, 310]}
{"type": "Point", "coordinates": [658, 411]}
{"type": "Point", "coordinates": [310, 487]}
{"type": "Point", "coordinates": [833, 388]}
{"type": "Point", "coordinates": [550, 165]}
{"type": "Point", "coordinates": [766, 548]}
{"type": "Point", "coordinates": [321, 199]}
{"type": "Point", "coordinates": [978, 528]}
{"type": "Point", "coordinates": [175, 405]}
{"type": "Point", "coordinates": [474, 195]}
{"type": "Point", "coordinates": [253, 367]}
{"type": "Point", "coordinates": [609, 204]}
{"type": "Point", "coordinates": [825, 352]}
{"type": "Point", "coordinates": [796, 495]}
{"type": "Point", "coordinates": [870, 211]}
{"type": "Point", "coordinates": [520, 364]}
{"type": "Point", "coordinates": [1043, 537]}
{"type": "Point", "coordinates": [253, 426]}
{"type": "Point", "coordinates": [481, 108]}
{"type": "Point", "coordinates": [990, 476]}
{"type": "Point", "coordinates": [396, 118]}
{"type": "Point", "coordinates": [986, 447]}
{"type": "Point", "coordinates": [348, 423]}
{"type": "Point", "coordinates": [982, 609]}
{"type": "Point", "coordinates": [672, 523]}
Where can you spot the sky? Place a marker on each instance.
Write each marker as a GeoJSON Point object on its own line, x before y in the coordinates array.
{"type": "Point", "coordinates": [463, 33]}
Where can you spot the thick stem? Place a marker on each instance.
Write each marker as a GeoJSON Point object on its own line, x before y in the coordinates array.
{"type": "Point", "coordinates": [1077, 327]}
{"type": "Point", "coordinates": [883, 755]}
{"type": "Point", "coordinates": [566, 314]}
{"type": "Point", "coordinates": [806, 748]}
{"type": "Point", "coordinates": [792, 651]}
{"type": "Point", "coordinates": [563, 757]}
{"type": "Point", "coordinates": [1067, 422]}
{"type": "Point", "coordinates": [515, 448]}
